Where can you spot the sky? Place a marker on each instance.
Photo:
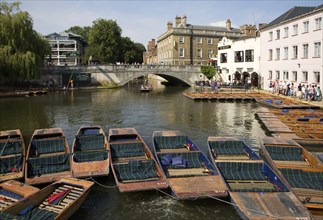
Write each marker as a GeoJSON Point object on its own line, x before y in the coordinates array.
{"type": "Point", "coordinates": [144, 20]}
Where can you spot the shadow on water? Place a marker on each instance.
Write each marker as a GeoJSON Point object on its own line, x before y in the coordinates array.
{"type": "Point", "coordinates": [161, 109]}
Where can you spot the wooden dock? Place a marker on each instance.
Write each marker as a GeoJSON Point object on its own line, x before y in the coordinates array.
{"type": "Point", "coordinates": [280, 102]}
{"type": "Point", "coordinates": [23, 93]}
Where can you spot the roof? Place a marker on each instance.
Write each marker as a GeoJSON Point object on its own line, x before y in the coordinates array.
{"type": "Point", "coordinates": [215, 28]}
{"type": "Point", "coordinates": [293, 13]}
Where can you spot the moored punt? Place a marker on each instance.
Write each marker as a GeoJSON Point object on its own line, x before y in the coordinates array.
{"type": "Point", "coordinates": [12, 191]}
{"type": "Point", "coordinates": [48, 157]}
{"type": "Point", "coordinates": [298, 168]}
{"type": "Point", "coordinates": [283, 103]}
{"type": "Point", "coordinates": [254, 188]}
{"type": "Point", "coordinates": [90, 155]}
{"type": "Point", "coordinates": [58, 201]}
{"type": "Point", "coordinates": [189, 172]}
{"type": "Point", "coordinates": [12, 155]}
{"type": "Point", "coordinates": [132, 163]}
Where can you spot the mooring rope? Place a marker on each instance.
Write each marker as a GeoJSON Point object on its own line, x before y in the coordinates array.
{"type": "Point", "coordinates": [105, 186]}
{"type": "Point", "coordinates": [5, 145]}
{"type": "Point", "coordinates": [233, 204]}
{"type": "Point", "coordinates": [173, 197]}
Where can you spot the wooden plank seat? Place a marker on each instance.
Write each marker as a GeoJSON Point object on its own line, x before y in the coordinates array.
{"type": "Point", "coordinates": [241, 171]}
{"type": "Point", "coordinates": [251, 186]}
{"type": "Point", "coordinates": [298, 178]}
{"type": "Point", "coordinates": [175, 150]}
{"type": "Point", "coordinates": [47, 146]}
{"type": "Point", "coordinates": [170, 142]}
{"type": "Point", "coordinates": [89, 142]}
{"type": "Point", "coordinates": [85, 156]}
{"type": "Point", "coordinates": [124, 150]}
{"type": "Point", "coordinates": [10, 147]}
{"type": "Point", "coordinates": [232, 157]}
{"type": "Point", "coordinates": [227, 147]}
{"type": "Point", "coordinates": [7, 163]}
{"type": "Point", "coordinates": [285, 153]}
{"type": "Point", "coordinates": [186, 172]}
{"type": "Point", "coordinates": [52, 164]}
{"type": "Point", "coordinates": [136, 170]}
{"type": "Point", "coordinates": [126, 159]}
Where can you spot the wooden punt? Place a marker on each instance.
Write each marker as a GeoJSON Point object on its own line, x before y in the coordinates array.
{"type": "Point", "coordinates": [132, 163]}
{"type": "Point", "coordinates": [58, 201]}
{"type": "Point", "coordinates": [254, 187]}
{"type": "Point", "coordinates": [298, 168]}
{"type": "Point", "coordinates": [190, 174]}
{"type": "Point", "coordinates": [12, 155]}
{"type": "Point", "coordinates": [12, 191]}
{"type": "Point", "coordinates": [90, 155]}
{"type": "Point", "coordinates": [48, 157]}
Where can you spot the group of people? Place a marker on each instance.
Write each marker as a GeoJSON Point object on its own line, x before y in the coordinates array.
{"type": "Point", "coordinates": [215, 85]}
{"type": "Point", "coordinates": [306, 92]}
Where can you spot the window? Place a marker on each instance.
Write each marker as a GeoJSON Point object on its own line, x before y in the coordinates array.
{"type": "Point", "coordinates": [199, 53]}
{"type": "Point", "coordinates": [277, 75]}
{"type": "Point", "coordinates": [181, 52]}
{"type": "Point", "coordinates": [209, 53]}
{"type": "Point", "coordinates": [306, 26]}
{"type": "Point", "coordinates": [294, 75]}
{"type": "Point", "coordinates": [277, 34]}
{"type": "Point", "coordinates": [305, 51]}
{"type": "Point", "coordinates": [286, 32]}
{"type": "Point", "coordinates": [317, 49]}
{"type": "Point", "coordinates": [285, 53]}
{"type": "Point", "coordinates": [223, 58]}
{"type": "Point", "coordinates": [277, 54]}
{"type": "Point", "coordinates": [318, 23]}
{"type": "Point", "coordinates": [181, 39]}
{"type": "Point", "coordinates": [317, 77]}
{"type": "Point", "coordinates": [199, 40]}
{"type": "Point", "coordinates": [209, 41]}
{"type": "Point", "coordinates": [305, 76]}
{"type": "Point", "coordinates": [270, 35]}
{"type": "Point", "coordinates": [249, 55]}
{"type": "Point", "coordinates": [238, 56]}
{"type": "Point", "coordinates": [285, 75]}
{"type": "Point", "coordinates": [270, 74]}
{"type": "Point", "coordinates": [270, 54]}
{"type": "Point", "coordinates": [295, 52]}
{"type": "Point", "coordinates": [295, 29]}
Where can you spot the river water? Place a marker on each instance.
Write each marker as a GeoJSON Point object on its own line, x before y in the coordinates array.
{"type": "Point", "coordinates": [165, 108]}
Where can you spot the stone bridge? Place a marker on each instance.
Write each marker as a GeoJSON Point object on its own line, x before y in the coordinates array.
{"type": "Point", "coordinates": [122, 74]}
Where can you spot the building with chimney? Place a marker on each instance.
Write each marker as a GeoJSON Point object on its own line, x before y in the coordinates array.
{"type": "Point", "coordinates": [150, 55]}
{"type": "Point", "coordinates": [187, 44]}
{"type": "Point", "coordinates": [291, 47]}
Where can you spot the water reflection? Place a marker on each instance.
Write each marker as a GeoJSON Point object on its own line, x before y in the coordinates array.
{"type": "Point", "coordinates": [161, 109]}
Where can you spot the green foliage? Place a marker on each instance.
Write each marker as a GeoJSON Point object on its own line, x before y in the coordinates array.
{"type": "Point", "coordinates": [105, 41]}
{"type": "Point", "coordinates": [132, 52]}
{"type": "Point", "coordinates": [208, 71]}
{"type": "Point", "coordinates": [22, 50]}
{"type": "Point", "coordinates": [82, 31]}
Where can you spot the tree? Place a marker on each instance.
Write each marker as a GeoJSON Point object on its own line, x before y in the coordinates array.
{"type": "Point", "coordinates": [22, 50]}
{"type": "Point", "coordinates": [208, 71]}
{"type": "Point", "coordinates": [82, 31]}
{"type": "Point", "coordinates": [105, 41]}
{"type": "Point", "coordinates": [132, 52]}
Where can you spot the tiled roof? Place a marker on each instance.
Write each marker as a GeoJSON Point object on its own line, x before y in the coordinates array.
{"type": "Point", "coordinates": [215, 28]}
{"type": "Point", "coordinates": [293, 13]}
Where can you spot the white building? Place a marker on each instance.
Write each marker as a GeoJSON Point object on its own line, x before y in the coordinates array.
{"type": "Point", "coordinates": [291, 47]}
{"type": "Point", "coordinates": [67, 49]}
{"type": "Point", "coordinates": [238, 60]}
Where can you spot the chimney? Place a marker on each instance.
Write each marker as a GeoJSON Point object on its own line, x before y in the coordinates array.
{"type": "Point", "coordinates": [169, 26]}
{"type": "Point", "coordinates": [262, 25]}
{"type": "Point", "coordinates": [184, 20]}
{"type": "Point", "coordinates": [228, 24]}
{"type": "Point", "coordinates": [177, 21]}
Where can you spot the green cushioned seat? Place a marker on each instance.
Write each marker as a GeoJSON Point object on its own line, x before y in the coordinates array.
{"type": "Point", "coordinates": [33, 214]}
{"type": "Point", "coordinates": [10, 162]}
{"type": "Point", "coordinates": [127, 150]}
{"type": "Point", "coordinates": [285, 153]}
{"type": "Point", "coordinates": [170, 142]}
{"type": "Point", "coordinates": [47, 145]}
{"type": "Point", "coordinates": [10, 147]}
{"type": "Point", "coordinates": [136, 170]}
{"type": "Point", "coordinates": [241, 171]}
{"type": "Point", "coordinates": [302, 179]}
{"type": "Point", "coordinates": [86, 156]}
{"type": "Point", "coordinates": [227, 147]}
{"type": "Point", "coordinates": [51, 164]}
{"type": "Point", "coordinates": [193, 158]}
{"type": "Point", "coordinates": [89, 142]}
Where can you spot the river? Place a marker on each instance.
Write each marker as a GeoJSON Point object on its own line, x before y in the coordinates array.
{"type": "Point", "coordinates": [165, 108]}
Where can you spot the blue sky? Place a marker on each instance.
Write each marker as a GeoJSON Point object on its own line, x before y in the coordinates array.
{"type": "Point", "coordinates": [147, 19]}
